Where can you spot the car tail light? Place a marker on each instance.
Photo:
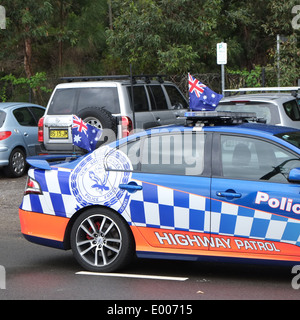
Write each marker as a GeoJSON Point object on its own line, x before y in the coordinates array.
{"type": "Point", "coordinates": [4, 135]}
{"type": "Point", "coordinates": [32, 187]}
{"type": "Point", "coordinates": [41, 130]}
{"type": "Point", "coordinates": [127, 126]}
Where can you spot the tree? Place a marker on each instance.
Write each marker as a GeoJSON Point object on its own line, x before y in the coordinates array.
{"type": "Point", "coordinates": [27, 22]}
{"type": "Point", "coordinates": [163, 36]}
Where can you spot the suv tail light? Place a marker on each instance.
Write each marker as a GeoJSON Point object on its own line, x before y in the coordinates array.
{"type": "Point", "coordinates": [41, 130]}
{"type": "Point", "coordinates": [127, 126]}
{"type": "Point", "coordinates": [4, 135]}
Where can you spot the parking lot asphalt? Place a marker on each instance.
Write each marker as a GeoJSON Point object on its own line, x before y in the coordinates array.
{"type": "Point", "coordinates": [11, 195]}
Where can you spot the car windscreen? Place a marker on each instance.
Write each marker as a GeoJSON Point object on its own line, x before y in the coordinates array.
{"type": "Point", "coordinates": [72, 100]}
{"type": "Point", "coordinates": [292, 137]}
{"type": "Point", "coordinates": [2, 118]}
{"type": "Point", "coordinates": [267, 111]}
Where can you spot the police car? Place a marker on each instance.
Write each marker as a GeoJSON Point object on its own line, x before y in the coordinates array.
{"type": "Point", "coordinates": [220, 186]}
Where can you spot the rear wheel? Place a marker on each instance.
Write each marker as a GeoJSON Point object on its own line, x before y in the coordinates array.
{"type": "Point", "coordinates": [17, 164]}
{"type": "Point", "coordinates": [101, 241]}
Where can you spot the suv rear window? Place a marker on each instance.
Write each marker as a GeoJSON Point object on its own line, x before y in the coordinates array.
{"type": "Point", "coordinates": [69, 101]}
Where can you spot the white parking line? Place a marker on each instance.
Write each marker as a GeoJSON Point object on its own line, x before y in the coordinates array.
{"type": "Point", "coordinates": [129, 275]}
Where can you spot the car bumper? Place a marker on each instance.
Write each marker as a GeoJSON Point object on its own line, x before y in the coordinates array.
{"type": "Point", "coordinates": [43, 229]}
{"type": "Point", "coordinates": [41, 150]}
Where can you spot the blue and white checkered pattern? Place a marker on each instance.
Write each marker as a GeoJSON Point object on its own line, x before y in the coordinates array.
{"type": "Point", "coordinates": [233, 220]}
{"type": "Point", "coordinates": [56, 198]}
{"type": "Point", "coordinates": [162, 207]}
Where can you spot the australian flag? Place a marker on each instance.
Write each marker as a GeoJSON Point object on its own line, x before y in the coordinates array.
{"type": "Point", "coordinates": [84, 135]}
{"type": "Point", "coordinates": [202, 98]}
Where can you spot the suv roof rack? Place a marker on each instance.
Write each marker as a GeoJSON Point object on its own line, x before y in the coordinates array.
{"type": "Point", "coordinates": [146, 77]}
{"type": "Point", "coordinates": [212, 118]}
{"type": "Point", "coordinates": [293, 90]}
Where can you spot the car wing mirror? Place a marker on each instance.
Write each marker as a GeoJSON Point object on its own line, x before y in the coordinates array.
{"type": "Point", "coordinates": [294, 175]}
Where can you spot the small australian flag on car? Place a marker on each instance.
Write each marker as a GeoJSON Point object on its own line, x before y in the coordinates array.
{"type": "Point", "coordinates": [202, 98]}
{"type": "Point", "coordinates": [84, 135]}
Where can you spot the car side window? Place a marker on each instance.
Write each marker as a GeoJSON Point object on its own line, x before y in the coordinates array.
{"type": "Point", "coordinates": [291, 108]}
{"type": "Point", "coordinates": [24, 117]}
{"type": "Point", "coordinates": [253, 159]}
{"type": "Point", "coordinates": [157, 97]}
{"type": "Point", "coordinates": [176, 98]}
{"type": "Point", "coordinates": [37, 113]}
{"type": "Point", "coordinates": [174, 153]}
{"type": "Point", "coordinates": [132, 150]}
{"type": "Point", "coordinates": [140, 98]}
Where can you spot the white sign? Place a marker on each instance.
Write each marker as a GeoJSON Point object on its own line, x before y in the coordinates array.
{"type": "Point", "coordinates": [2, 18]}
{"type": "Point", "coordinates": [222, 53]}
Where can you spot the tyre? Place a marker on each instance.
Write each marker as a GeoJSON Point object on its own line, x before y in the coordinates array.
{"type": "Point", "coordinates": [101, 119]}
{"type": "Point", "coordinates": [101, 241]}
{"type": "Point", "coordinates": [17, 164]}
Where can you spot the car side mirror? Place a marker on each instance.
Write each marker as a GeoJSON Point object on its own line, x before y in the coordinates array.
{"type": "Point", "coordinates": [294, 175]}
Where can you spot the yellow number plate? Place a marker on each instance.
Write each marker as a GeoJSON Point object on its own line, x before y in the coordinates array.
{"type": "Point", "coordinates": [58, 134]}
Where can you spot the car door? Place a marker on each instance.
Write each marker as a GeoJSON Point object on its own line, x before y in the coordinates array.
{"type": "Point", "coordinates": [170, 188]}
{"type": "Point", "coordinates": [27, 127]}
{"type": "Point", "coordinates": [159, 106]}
{"type": "Point", "coordinates": [177, 103]}
{"type": "Point", "coordinates": [254, 209]}
{"type": "Point", "coordinates": [143, 116]}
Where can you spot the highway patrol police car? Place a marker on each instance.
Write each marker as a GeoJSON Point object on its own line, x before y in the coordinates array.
{"type": "Point", "coordinates": [217, 187]}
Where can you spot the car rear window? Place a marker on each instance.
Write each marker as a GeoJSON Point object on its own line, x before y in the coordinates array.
{"type": "Point", "coordinates": [63, 102]}
{"type": "Point", "coordinates": [267, 111]}
{"type": "Point", "coordinates": [106, 98]}
{"type": "Point", "coordinates": [2, 118]}
{"type": "Point", "coordinates": [72, 100]}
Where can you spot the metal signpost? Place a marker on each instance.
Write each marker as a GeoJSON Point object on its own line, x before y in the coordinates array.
{"type": "Point", "coordinates": [222, 60]}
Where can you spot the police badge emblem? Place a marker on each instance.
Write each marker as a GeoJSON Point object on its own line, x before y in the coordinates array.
{"type": "Point", "coordinates": [96, 179]}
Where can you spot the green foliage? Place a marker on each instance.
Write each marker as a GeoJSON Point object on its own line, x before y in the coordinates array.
{"type": "Point", "coordinates": [250, 78]}
{"type": "Point", "coordinates": [35, 83]}
{"type": "Point", "coordinates": [91, 37]}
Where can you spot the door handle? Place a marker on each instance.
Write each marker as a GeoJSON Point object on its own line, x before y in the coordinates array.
{"type": "Point", "coordinates": [228, 194]}
{"type": "Point", "coordinates": [131, 187]}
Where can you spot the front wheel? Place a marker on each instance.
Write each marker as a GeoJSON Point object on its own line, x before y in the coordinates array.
{"type": "Point", "coordinates": [101, 241]}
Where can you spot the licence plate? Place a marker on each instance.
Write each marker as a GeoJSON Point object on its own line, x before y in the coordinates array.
{"type": "Point", "coordinates": [58, 134]}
